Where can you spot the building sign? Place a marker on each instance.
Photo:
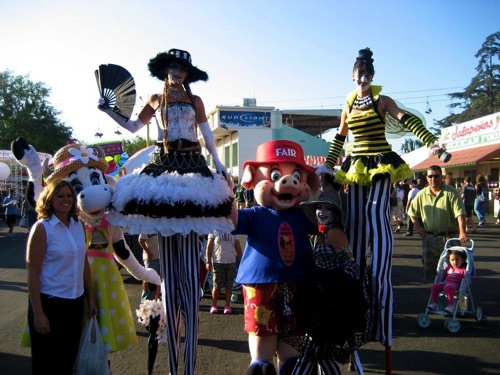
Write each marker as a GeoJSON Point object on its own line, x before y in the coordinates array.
{"type": "Point", "coordinates": [244, 118]}
{"type": "Point", "coordinates": [111, 148]}
{"type": "Point", "coordinates": [478, 132]}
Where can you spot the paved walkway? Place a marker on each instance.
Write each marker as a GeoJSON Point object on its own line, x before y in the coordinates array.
{"type": "Point", "coordinates": [222, 345]}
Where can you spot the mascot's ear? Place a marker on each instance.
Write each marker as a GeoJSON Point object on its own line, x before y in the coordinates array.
{"type": "Point", "coordinates": [246, 180]}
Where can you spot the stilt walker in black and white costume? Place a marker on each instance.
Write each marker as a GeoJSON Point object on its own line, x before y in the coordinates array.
{"type": "Point", "coordinates": [176, 195]}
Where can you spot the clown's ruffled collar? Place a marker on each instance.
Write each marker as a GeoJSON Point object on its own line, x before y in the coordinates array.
{"type": "Point", "coordinates": [375, 92]}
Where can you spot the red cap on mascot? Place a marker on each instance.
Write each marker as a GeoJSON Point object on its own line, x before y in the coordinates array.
{"type": "Point", "coordinates": [283, 151]}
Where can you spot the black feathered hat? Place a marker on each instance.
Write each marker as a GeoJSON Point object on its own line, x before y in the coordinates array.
{"type": "Point", "coordinates": [158, 65]}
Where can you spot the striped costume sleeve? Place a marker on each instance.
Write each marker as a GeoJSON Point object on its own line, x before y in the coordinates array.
{"type": "Point", "coordinates": [335, 149]}
{"type": "Point", "coordinates": [416, 126]}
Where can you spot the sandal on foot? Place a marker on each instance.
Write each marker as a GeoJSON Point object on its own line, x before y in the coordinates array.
{"type": "Point", "coordinates": [214, 310]}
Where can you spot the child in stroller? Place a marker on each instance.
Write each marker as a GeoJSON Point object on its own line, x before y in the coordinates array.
{"type": "Point", "coordinates": [454, 274]}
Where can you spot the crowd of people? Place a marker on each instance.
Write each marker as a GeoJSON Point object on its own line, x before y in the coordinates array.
{"type": "Point", "coordinates": [343, 236]}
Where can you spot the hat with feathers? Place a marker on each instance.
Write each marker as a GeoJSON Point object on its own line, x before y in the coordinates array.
{"type": "Point", "coordinates": [158, 65]}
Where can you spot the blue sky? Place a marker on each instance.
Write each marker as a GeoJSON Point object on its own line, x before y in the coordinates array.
{"type": "Point", "coordinates": [286, 54]}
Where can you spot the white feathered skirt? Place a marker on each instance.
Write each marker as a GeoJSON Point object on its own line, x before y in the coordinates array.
{"type": "Point", "coordinates": [175, 193]}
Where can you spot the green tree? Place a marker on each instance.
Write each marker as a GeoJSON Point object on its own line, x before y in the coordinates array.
{"type": "Point", "coordinates": [25, 111]}
{"type": "Point", "coordinates": [134, 145]}
{"type": "Point", "coordinates": [411, 144]}
{"type": "Point", "coordinates": [482, 96]}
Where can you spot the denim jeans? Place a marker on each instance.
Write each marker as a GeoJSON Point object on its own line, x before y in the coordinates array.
{"type": "Point", "coordinates": [480, 209]}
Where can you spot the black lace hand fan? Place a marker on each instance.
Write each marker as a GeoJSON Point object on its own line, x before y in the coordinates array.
{"type": "Point", "coordinates": [117, 89]}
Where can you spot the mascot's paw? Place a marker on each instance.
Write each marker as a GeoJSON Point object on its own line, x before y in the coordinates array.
{"type": "Point", "coordinates": [19, 148]}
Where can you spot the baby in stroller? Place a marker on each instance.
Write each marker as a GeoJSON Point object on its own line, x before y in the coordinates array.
{"type": "Point", "coordinates": [453, 275]}
{"type": "Point", "coordinates": [455, 270]}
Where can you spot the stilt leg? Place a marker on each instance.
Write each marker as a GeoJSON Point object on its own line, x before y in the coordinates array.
{"type": "Point", "coordinates": [388, 360]}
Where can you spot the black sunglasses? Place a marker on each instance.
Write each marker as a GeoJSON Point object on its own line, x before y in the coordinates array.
{"type": "Point", "coordinates": [434, 176]}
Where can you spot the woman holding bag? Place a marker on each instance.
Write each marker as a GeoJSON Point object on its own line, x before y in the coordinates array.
{"type": "Point", "coordinates": [58, 281]}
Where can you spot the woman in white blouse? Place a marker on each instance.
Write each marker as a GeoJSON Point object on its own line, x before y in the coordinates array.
{"type": "Point", "coordinates": [58, 281]}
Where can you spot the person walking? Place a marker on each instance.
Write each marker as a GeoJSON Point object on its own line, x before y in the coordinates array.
{"type": "Point", "coordinates": [223, 253]}
{"type": "Point", "coordinates": [240, 198]}
{"type": "Point", "coordinates": [468, 195]}
{"type": "Point", "coordinates": [58, 281]}
{"type": "Point", "coordinates": [249, 198]}
{"type": "Point", "coordinates": [150, 256]}
{"type": "Point", "coordinates": [438, 213]}
{"type": "Point", "coordinates": [481, 201]}
{"type": "Point", "coordinates": [411, 195]}
{"type": "Point", "coordinates": [398, 211]}
{"type": "Point", "coordinates": [497, 197]}
{"type": "Point", "coordinates": [10, 203]}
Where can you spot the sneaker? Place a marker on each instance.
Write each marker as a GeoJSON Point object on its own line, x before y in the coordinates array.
{"type": "Point", "coordinates": [433, 306]}
{"type": "Point", "coordinates": [214, 310]}
{"type": "Point", "coordinates": [408, 234]}
{"type": "Point", "coordinates": [228, 310]}
{"type": "Point", "coordinates": [11, 234]}
{"type": "Point", "coordinates": [449, 309]}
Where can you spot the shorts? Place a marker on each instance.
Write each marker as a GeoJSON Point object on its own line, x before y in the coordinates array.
{"type": "Point", "coordinates": [11, 219]}
{"type": "Point", "coordinates": [223, 275]}
{"type": "Point", "coordinates": [268, 308]}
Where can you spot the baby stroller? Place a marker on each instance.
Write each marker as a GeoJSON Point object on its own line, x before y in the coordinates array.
{"type": "Point", "coordinates": [464, 303]}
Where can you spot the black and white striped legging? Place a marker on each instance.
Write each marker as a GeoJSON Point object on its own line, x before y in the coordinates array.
{"type": "Point", "coordinates": [179, 262]}
{"type": "Point", "coordinates": [368, 218]}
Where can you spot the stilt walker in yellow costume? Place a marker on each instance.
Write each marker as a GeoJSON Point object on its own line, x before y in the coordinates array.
{"type": "Point", "coordinates": [369, 171]}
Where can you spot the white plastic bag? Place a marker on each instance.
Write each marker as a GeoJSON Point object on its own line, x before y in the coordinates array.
{"type": "Point", "coordinates": [23, 223]}
{"type": "Point", "coordinates": [91, 359]}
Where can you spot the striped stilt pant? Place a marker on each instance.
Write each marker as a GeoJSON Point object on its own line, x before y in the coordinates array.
{"type": "Point", "coordinates": [368, 218]}
{"type": "Point", "coordinates": [179, 262]}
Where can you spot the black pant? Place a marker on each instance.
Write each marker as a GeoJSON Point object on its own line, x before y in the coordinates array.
{"type": "Point", "coordinates": [410, 226]}
{"type": "Point", "coordinates": [55, 353]}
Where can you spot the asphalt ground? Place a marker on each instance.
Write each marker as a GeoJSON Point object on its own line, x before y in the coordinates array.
{"type": "Point", "coordinates": [223, 349]}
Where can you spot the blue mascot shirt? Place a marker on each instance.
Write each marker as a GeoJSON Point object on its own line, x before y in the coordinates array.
{"type": "Point", "coordinates": [278, 248]}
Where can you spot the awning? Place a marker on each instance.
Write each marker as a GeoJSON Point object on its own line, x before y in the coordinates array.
{"type": "Point", "coordinates": [461, 158]}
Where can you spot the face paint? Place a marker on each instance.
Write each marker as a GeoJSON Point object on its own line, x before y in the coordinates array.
{"type": "Point", "coordinates": [176, 74]}
{"type": "Point", "coordinates": [362, 81]}
{"type": "Point", "coordinates": [324, 215]}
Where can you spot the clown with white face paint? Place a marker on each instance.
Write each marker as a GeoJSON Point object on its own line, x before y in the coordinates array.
{"type": "Point", "coordinates": [176, 75]}
{"type": "Point", "coordinates": [334, 308]}
{"type": "Point", "coordinates": [369, 171]}
{"type": "Point", "coordinates": [363, 82]}
{"type": "Point", "coordinates": [324, 214]}
{"type": "Point", "coordinates": [176, 195]}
